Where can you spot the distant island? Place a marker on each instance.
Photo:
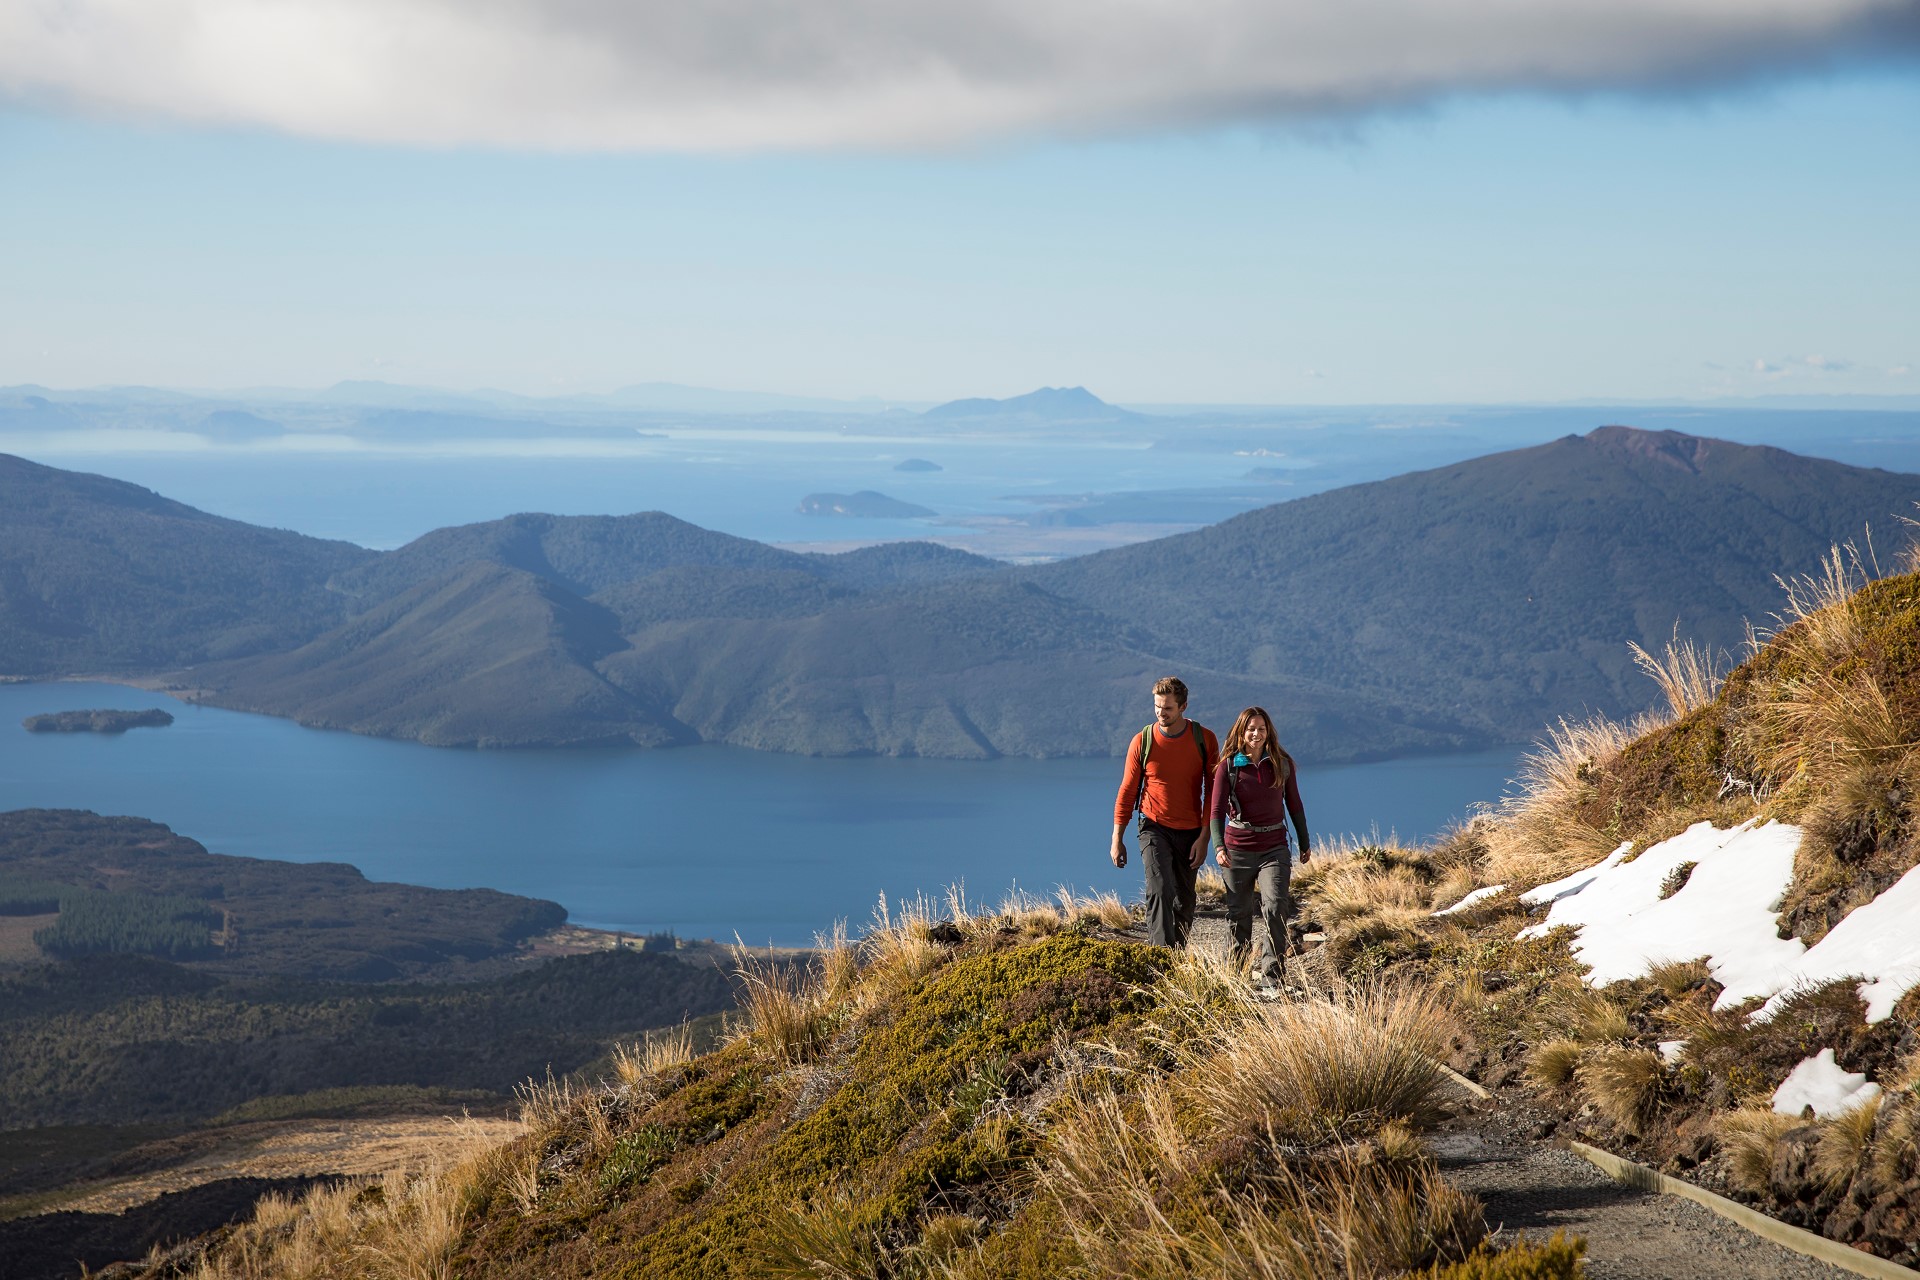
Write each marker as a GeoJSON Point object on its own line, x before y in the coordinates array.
{"type": "Point", "coordinates": [917, 464]}
{"type": "Point", "coordinates": [865, 504]}
{"type": "Point", "coordinates": [97, 721]}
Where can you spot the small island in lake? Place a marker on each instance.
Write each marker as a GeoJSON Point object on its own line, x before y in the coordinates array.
{"type": "Point", "coordinates": [864, 504]}
{"type": "Point", "coordinates": [917, 464]}
{"type": "Point", "coordinates": [97, 721]}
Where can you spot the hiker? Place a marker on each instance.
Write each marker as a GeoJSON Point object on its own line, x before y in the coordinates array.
{"type": "Point", "coordinates": [1255, 790]}
{"type": "Point", "coordinates": [1168, 764]}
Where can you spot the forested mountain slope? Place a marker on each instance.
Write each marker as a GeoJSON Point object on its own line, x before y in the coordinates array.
{"type": "Point", "coordinates": [1500, 592]}
{"type": "Point", "coordinates": [1456, 607]}
{"type": "Point", "coordinates": [100, 575]}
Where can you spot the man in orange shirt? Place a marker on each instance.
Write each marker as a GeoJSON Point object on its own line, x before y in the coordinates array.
{"type": "Point", "coordinates": [1169, 766]}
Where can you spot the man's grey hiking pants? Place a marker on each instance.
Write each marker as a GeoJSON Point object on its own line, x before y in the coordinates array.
{"type": "Point", "coordinates": [1271, 874]}
{"type": "Point", "coordinates": [1166, 855]}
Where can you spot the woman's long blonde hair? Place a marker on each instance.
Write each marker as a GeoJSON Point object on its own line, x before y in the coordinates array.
{"type": "Point", "coordinates": [1237, 741]}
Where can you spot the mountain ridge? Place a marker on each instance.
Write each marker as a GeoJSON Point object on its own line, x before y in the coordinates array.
{"type": "Point", "coordinates": [1457, 607]}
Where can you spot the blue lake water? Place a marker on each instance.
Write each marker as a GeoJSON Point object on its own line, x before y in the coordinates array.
{"type": "Point", "coordinates": [705, 841]}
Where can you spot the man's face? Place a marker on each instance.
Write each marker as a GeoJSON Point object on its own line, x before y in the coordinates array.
{"type": "Point", "coordinates": [1168, 711]}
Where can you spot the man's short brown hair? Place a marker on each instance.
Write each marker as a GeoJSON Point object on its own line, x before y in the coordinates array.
{"type": "Point", "coordinates": [1172, 687]}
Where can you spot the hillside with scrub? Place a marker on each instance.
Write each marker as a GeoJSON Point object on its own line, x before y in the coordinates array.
{"type": "Point", "coordinates": [1021, 1092]}
{"type": "Point", "coordinates": [1691, 939]}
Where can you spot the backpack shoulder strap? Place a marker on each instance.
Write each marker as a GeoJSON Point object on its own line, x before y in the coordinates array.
{"type": "Point", "coordinates": [1146, 748]}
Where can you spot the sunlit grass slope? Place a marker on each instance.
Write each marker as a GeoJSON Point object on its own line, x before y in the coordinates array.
{"type": "Point", "coordinates": [1018, 1093]}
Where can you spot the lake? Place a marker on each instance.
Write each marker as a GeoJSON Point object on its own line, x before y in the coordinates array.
{"type": "Point", "coordinates": [703, 841]}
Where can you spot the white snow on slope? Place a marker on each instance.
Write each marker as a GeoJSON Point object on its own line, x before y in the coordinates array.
{"type": "Point", "coordinates": [1879, 943]}
{"type": "Point", "coordinates": [1725, 912]}
{"type": "Point", "coordinates": [1820, 1082]}
{"type": "Point", "coordinates": [1477, 896]}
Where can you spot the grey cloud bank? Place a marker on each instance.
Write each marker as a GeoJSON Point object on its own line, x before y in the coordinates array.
{"type": "Point", "coordinates": [698, 75]}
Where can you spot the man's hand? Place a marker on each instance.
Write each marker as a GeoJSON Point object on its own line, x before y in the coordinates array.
{"type": "Point", "coordinates": [1118, 853]}
{"type": "Point", "coordinates": [1220, 856]}
{"type": "Point", "coordinates": [1199, 854]}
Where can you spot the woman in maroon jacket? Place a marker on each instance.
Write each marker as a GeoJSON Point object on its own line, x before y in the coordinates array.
{"type": "Point", "coordinates": [1255, 791]}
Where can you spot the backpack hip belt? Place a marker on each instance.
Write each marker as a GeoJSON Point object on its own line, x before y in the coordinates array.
{"type": "Point", "coordinates": [1239, 825]}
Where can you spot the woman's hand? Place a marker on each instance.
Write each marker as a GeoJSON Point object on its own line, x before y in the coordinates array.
{"type": "Point", "coordinates": [1226, 863]}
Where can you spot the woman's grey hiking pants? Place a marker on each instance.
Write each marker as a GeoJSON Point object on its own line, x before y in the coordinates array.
{"type": "Point", "coordinates": [1271, 874]}
{"type": "Point", "coordinates": [1166, 855]}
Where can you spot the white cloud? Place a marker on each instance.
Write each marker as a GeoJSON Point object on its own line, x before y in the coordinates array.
{"type": "Point", "coordinates": [736, 74]}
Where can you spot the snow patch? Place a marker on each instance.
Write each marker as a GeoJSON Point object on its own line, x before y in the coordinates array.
{"type": "Point", "coordinates": [1670, 1050]}
{"type": "Point", "coordinates": [1725, 912]}
{"type": "Point", "coordinates": [1574, 883]}
{"type": "Point", "coordinates": [1876, 943]}
{"type": "Point", "coordinates": [1820, 1083]}
{"type": "Point", "coordinates": [1477, 896]}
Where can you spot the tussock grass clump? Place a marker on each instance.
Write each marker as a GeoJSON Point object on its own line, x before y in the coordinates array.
{"type": "Point", "coordinates": [1679, 979]}
{"type": "Point", "coordinates": [1541, 833]}
{"type": "Point", "coordinates": [1552, 1063]}
{"type": "Point", "coordinates": [832, 1239]}
{"type": "Point", "coordinates": [1686, 673]}
{"type": "Point", "coordinates": [1623, 1083]}
{"type": "Point", "coordinates": [1210, 885]}
{"type": "Point", "coordinates": [785, 1014]}
{"type": "Point", "coordinates": [1841, 1152]}
{"type": "Point", "coordinates": [1750, 1136]}
{"type": "Point", "coordinates": [1575, 1010]}
{"type": "Point", "coordinates": [639, 1065]}
{"type": "Point", "coordinates": [1141, 1200]}
{"type": "Point", "coordinates": [1321, 1070]}
{"type": "Point", "coordinates": [394, 1228]}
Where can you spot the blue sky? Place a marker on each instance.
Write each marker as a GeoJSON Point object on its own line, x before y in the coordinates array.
{"type": "Point", "coordinates": [1490, 248]}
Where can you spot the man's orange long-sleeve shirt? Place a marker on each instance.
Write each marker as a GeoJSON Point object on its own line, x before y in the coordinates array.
{"type": "Point", "coordinates": [1176, 779]}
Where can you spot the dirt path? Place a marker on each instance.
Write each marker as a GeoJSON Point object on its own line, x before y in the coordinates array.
{"type": "Point", "coordinates": [1530, 1185]}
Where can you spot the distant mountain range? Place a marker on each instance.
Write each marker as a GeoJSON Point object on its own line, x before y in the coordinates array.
{"type": "Point", "coordinates": [1450, 608]}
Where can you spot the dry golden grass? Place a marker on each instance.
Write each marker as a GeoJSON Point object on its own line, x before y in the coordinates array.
{"type": "Point", "coordinates": [1896, 1146]}
{"type": "Point", "coordinates": [1319, 1070]}
{"type": "Point", "coordinates": [1352, 889]}
{"type": "Point", "coordinates": [782, 1004]}
{"type": "Point", "coordinates": [1551, 1063]}
{"type": "Point", "coordinates": [898, 950]}
{"type": "Point", "coordinates": [1210, 885]}
{"type": "Point", "coordinates": [1537, 835]}
{"type": "Point", "coordinates": [1821, 604]}
{"type": "Point", "coordinates": [1676, 979]}
{"type": "Point", "coordinates": [1126, 1181]}
{"type": "Point", "coordinates": [1842, 1150]}
{"type": "Point", "coordinates": [1750, 1136]}
{"type": "Point", "coordinates": [398, 1228]}
{"type": "Point", "coordinates": [544, 1106]}
{"type": "Point", "coordinates": [1454, 884]}
{"type": "Point", "coordinates": [1623, 1083]}
{"type": "Point", "coordinates": [1685, 673]}
{"type": "Point", "coordinates": [837, 964]}
{"type": "Point", "coordinates": [637, 1065]}
{"type": "Point", "coordinates": [1573, 1009]}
